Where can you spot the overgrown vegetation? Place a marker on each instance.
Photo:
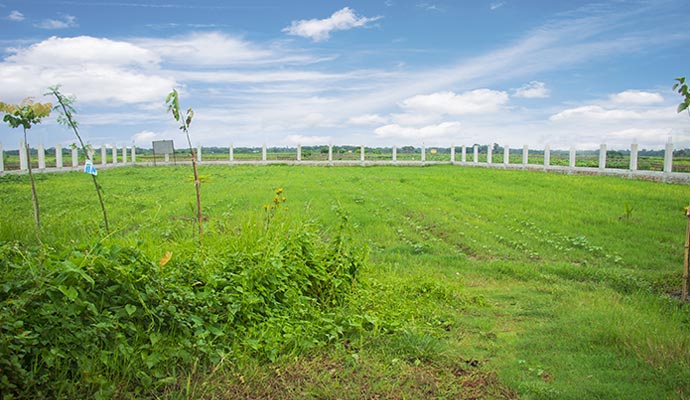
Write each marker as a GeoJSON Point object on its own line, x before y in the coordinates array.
{"type": "Point", "coordinates": [479, 284]}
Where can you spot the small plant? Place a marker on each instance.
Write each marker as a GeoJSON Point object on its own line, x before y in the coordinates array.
{"type": "Point", "coordinates": [278, 203]}
{"type": "Point", "coordinates": [26, 114]}
{"type": "Point", "coordinates": [682, 88]}
{"type": "Point", "coordinates": [173, 102]}
{"type": "Point", "coordinates": [627, 212]}
{"type": "Point", "coordinates": [66, 109]}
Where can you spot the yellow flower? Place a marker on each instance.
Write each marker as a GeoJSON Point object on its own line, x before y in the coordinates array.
{"type": "Point", "coordinates": [279, 191]}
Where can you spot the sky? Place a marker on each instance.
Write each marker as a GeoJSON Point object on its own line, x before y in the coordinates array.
{"type": "Point", "coordinates": [374, 73]}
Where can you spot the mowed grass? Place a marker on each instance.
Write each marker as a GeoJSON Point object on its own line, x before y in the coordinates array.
{"type": "Point", "coordinates": [480, 283]}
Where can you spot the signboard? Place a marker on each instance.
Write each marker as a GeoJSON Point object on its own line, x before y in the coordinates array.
{"type": "Point", "coordinates": [163, 147]}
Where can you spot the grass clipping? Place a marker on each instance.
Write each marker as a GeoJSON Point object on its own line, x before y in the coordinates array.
{"type": "Point", "coordinates": [272, 287]}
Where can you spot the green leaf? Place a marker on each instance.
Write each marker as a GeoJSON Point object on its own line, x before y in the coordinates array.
{"type": "Point", "coordinates": [131, 309]}
{"type": "Point", "coordinates": [682, 106]}
{"type": "Point", "coordinates": [69, 292]}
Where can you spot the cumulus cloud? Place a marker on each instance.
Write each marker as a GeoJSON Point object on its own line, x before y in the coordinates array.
{"type": "Point", "coordinates": [66, 21]}
{"type": "Point", "coordinates": [636, 97]}
{"type": "Point", "coordinates": [144, 138]}
{"type": "Point", "coordinates": [99, 70]}
{"type": "Point", "coordinates": [16, 16]}
{"type": "Point", "coordinates": [594, 112]}
{"type": "Point", "coordinates": [474, 102]}
{"type": "Point", "coordinates": [319, 30]}
{"type": "Point", "coordinates": [395, 131]}
{"type": "Point", "coordinates": [367, 119]}
{"type": "Point", "coordinates": [533, 90]}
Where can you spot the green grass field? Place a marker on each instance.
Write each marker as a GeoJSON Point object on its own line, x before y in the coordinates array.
{"type": "Point", "coordinates": [478, 283]}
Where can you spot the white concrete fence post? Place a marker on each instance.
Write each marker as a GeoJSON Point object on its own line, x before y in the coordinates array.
{"type": "Point", "coordinates": [231, 155]}
{"type": "Point", "coordinates": [423, 152]}
{"type": "Point", "coordinates": [330, 152]}
{"type": "Point", "coordinates": [525, 155]}
{"type": "Point", "coordinates": [104, 157]}
{"type": "Point", "coordinates": [463, 154]}
{"type": "Point", "coordinates": [602, 157]}
{"type": "Point", "coordinates": [573, 156]}
{"type": "Point", "coordinates": [452, 153]}
{"type": "Point", "coordinates": [475, 155]}
{"type": "Point", "coordinates": [114, 151]}
{"type": "Point", "coordinates": [75, 158]}
{"type": "Point", "coordinates": [361, 154]}
{"type": "Point", "coordinates": [198, 153]}
{"type": "Point", "coordinates": [23, 159]}
{"type": "Point", "coordinates": [395, 153]}
{"type": "Point", "coordinates": [489, 154]}
{"type": "Point", "coordinates": [263, 152]}
{"type": "Point", "coordinates": [2, 159]}
{"type": "Point", "coordinates": [299, 152]}
{"type": "Point", "coordinates": [58, 156]}
{"type": "Point", "coordinates": [668, 157]}
{"type": "Point", "coordinates": [41, 156]}
{"type": "Point", "coordinates": [633, 156]}
{"type": "Point", "coordinates": [547, 156]}
{"type": "Point", "coordinates": [124, 154]}
{"type": "Point", "coordinates": [134, 154]}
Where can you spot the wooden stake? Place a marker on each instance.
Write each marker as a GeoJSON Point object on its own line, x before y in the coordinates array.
{"type": "Point", "coordinates": [686, 261]}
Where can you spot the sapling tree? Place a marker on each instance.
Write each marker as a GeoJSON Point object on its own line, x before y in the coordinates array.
{"type": "Point", "coordinates": [185, 119]}
{"type": "Point", "coordinates": [65, 106]}
{"type": "Point", "coordinates": [26, 114]}
{"type": "Point", "coordinates": [682, 87]}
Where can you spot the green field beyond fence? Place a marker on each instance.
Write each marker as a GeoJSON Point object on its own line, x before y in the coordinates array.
{"type": "Point", "coordinates": [348, 283]}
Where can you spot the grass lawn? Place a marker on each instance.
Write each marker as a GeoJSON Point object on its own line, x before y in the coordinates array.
{"type": "Point", "coordinates": [479, 283]}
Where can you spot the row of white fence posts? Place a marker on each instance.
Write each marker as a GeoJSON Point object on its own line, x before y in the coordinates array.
{"type": "Point", "coordinates": [634, 148]}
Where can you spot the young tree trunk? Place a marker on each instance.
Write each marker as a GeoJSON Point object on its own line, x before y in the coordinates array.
{"type": "Point", "coordinates": [34, 196]}
{"type": "Point", "coordinates": [197, 185]}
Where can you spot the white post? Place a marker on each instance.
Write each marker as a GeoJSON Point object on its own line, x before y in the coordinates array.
{"type": "Point", "coordinates": [463, 154]}
{"type": "Point", "coordinates": [124, 154]}
{"type": "Point", "coordinates": [476, 154]}
{"type": "Point", "coordinates": [573, 155]}
{"type": "Point", "coordinates": [134, 154]}
{"type": "Point", "coordinates": [330, 152]}
{"type": "Point", "coordinates": [299, 152]}
{"type": "Point", "coordinates": [75, 158]}
{"type": "Point", "coordinates": [395, 153]}
{"type": "Point", "coordinates": [198, 153]}
{"type": "Point", "coordinates": [525, 154]}
{"type": "Point", "coordinates": [506, 155]}
{"type": "Point", "coordinates": [668, 157]}
{"type": "Point", "coordinates": [232, 153]}
{"type": "Point", "coordinates": [167, 157]}
{"type": "Point", "coordinates": [361, 153]}
{"type": "Point", "coordinates": [58, 155]}
{"type": "Point", "coordinates": [41, 156]}
{"type": "Point", "coordinates": [23, 159]}
{"type": "Point", "coordinates": [547, 156]}
{"type": "Point", "coordinates": [263, 152]}
{"type": "Point", "coordinates": [2, 159]}
{"type": "Point", "coordinates": [602, 156]}
{"type": "Point", "coordinates": [452, 153]}
{"type": "Point", "coordinates": [114, 154]}
{"type": "Point", "coordinates": [423, 152]}
{"type": "Point", "coordinates": [104, 157]}
{"type": "Point", "coordinates": [633, 157]}
{"type": "Point", "coordinates": [489, 154]}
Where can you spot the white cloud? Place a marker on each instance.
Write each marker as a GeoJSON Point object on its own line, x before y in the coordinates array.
{"type": "Point", "coordinates": [66, 21]}
{"type": "Point", "coordinates": [319, 30]}
{"type": "Point", "coordinates": [98, 70]}
{"type": "Point", "coordinates": [477, 101]}
{"type": "Point", "coordinates": [595, 112]}
{"type": "Point", "coordinates": [533, 90]}
{"type": "Point", "coordinates": [144, 138]}
{"type": "Point", "coordinates": [307, 140]}
{"type": "Point", "coordinates": [636, 97]}
{"type": "Point", "coordinates": [429, 7]}
{"type": "Point", "coordinates": [367, 119]}
{"type": "Point", "coordinates": [16, 16]}
{"type": "Point", "coordinates": [395, 131]}
{"type": "Point", "coordinates": [497, 5]}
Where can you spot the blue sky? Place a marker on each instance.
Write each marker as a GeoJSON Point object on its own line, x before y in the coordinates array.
{"type": "Point", "coordinates": [375, 72]}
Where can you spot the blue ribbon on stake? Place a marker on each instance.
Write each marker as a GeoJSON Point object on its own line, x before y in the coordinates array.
{"type": "Point", "coordinates": [89, 168]}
